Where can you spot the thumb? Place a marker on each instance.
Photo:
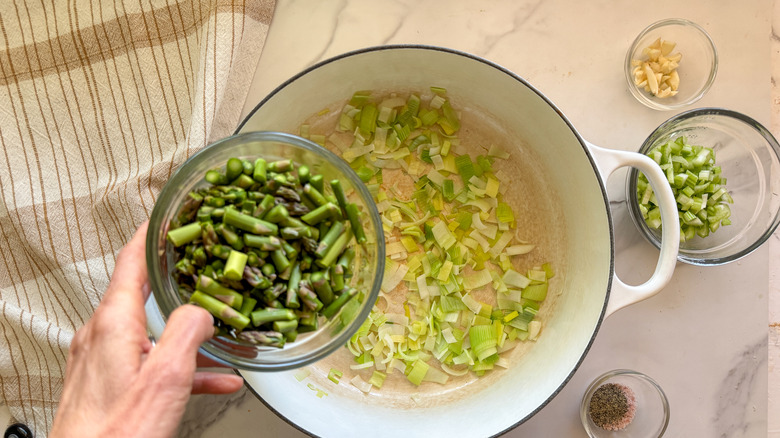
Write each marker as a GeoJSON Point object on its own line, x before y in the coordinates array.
{"type": "Point", "coordinates": [188, 327]}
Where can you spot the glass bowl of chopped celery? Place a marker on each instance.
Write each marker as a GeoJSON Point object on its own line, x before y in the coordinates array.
{"type": "Point", "coordinates": [671, 64]}
{"type": "Point", "coordinates": [278, 239]}
{"type": "Point", "coordinates": [724, 168]}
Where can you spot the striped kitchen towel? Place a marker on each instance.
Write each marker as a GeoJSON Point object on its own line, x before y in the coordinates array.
{"type": "Point", "coordinates": [99, 102]}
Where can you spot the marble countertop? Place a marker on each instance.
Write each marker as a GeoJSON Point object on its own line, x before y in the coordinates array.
{"type": "Point", "coordinates": [707, 338]}
{"type": "Point", "coordinates": [705, 346]}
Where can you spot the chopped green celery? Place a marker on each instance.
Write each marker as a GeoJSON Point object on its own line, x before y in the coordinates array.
{"type": "Point", "coordinates": [696, 184]}
{"type": "Point", "coordinates": [702, 157]}
{"type": "Point", "coordinates": [679, 180]}
{"type": "Point", "coordinates": [684, 202]}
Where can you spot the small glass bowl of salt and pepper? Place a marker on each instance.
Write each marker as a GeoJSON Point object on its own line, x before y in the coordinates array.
{"type": "Point", "coordinates": [624, 403]}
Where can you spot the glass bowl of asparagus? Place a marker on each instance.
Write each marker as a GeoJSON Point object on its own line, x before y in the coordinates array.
{"type": "Point", "coordinates": [278, 239]}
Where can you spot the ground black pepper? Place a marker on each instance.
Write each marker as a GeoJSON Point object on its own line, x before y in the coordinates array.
{"type": "Point", "coordinates": [612, 406]}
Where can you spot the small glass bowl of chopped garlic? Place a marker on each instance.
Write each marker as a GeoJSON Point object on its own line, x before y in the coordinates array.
{"type": "Point", "coordinates": [671, 64]}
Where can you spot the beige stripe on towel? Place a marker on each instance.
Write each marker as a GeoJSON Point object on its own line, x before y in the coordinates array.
{"type": "Point", "coordinates": [99, 102]}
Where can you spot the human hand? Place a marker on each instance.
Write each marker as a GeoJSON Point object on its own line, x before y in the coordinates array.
{"type": "Point", "coordinates": [116, 384]}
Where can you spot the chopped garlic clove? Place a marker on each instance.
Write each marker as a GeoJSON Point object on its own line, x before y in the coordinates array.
{"type": "Point", "coordinates": [654, 54]}
{"type": "Point", "coordinates": [675, 58]}
{"type": "Point", "coordinates": [667, 47]}
{"type": "Point", "coordinates": [674, 80]}
{"type": "Point", "coordinates": [658, 74]}
{"type": "Point", "coordinates": [652, 81]}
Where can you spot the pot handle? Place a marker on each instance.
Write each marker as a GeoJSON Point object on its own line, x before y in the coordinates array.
{"type": "Point", "coordinates": [622, 295]}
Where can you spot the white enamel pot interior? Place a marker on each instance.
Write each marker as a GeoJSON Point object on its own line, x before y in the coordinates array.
{"type": "Point", "coordinates": [560, 192]}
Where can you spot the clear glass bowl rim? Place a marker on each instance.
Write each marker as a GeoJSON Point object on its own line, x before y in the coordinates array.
{"type": "Point", "coordinates": [167, 303]}
{"type": "Point", "coordinates": [633, 205]}
{"type": "Point", "coordinates": [584, 404]}
{"type": "Point", "coordinates": [637, 93]}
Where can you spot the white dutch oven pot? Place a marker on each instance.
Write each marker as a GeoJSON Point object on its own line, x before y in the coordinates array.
{"type": "Point", "coordinates": [581, 246]}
